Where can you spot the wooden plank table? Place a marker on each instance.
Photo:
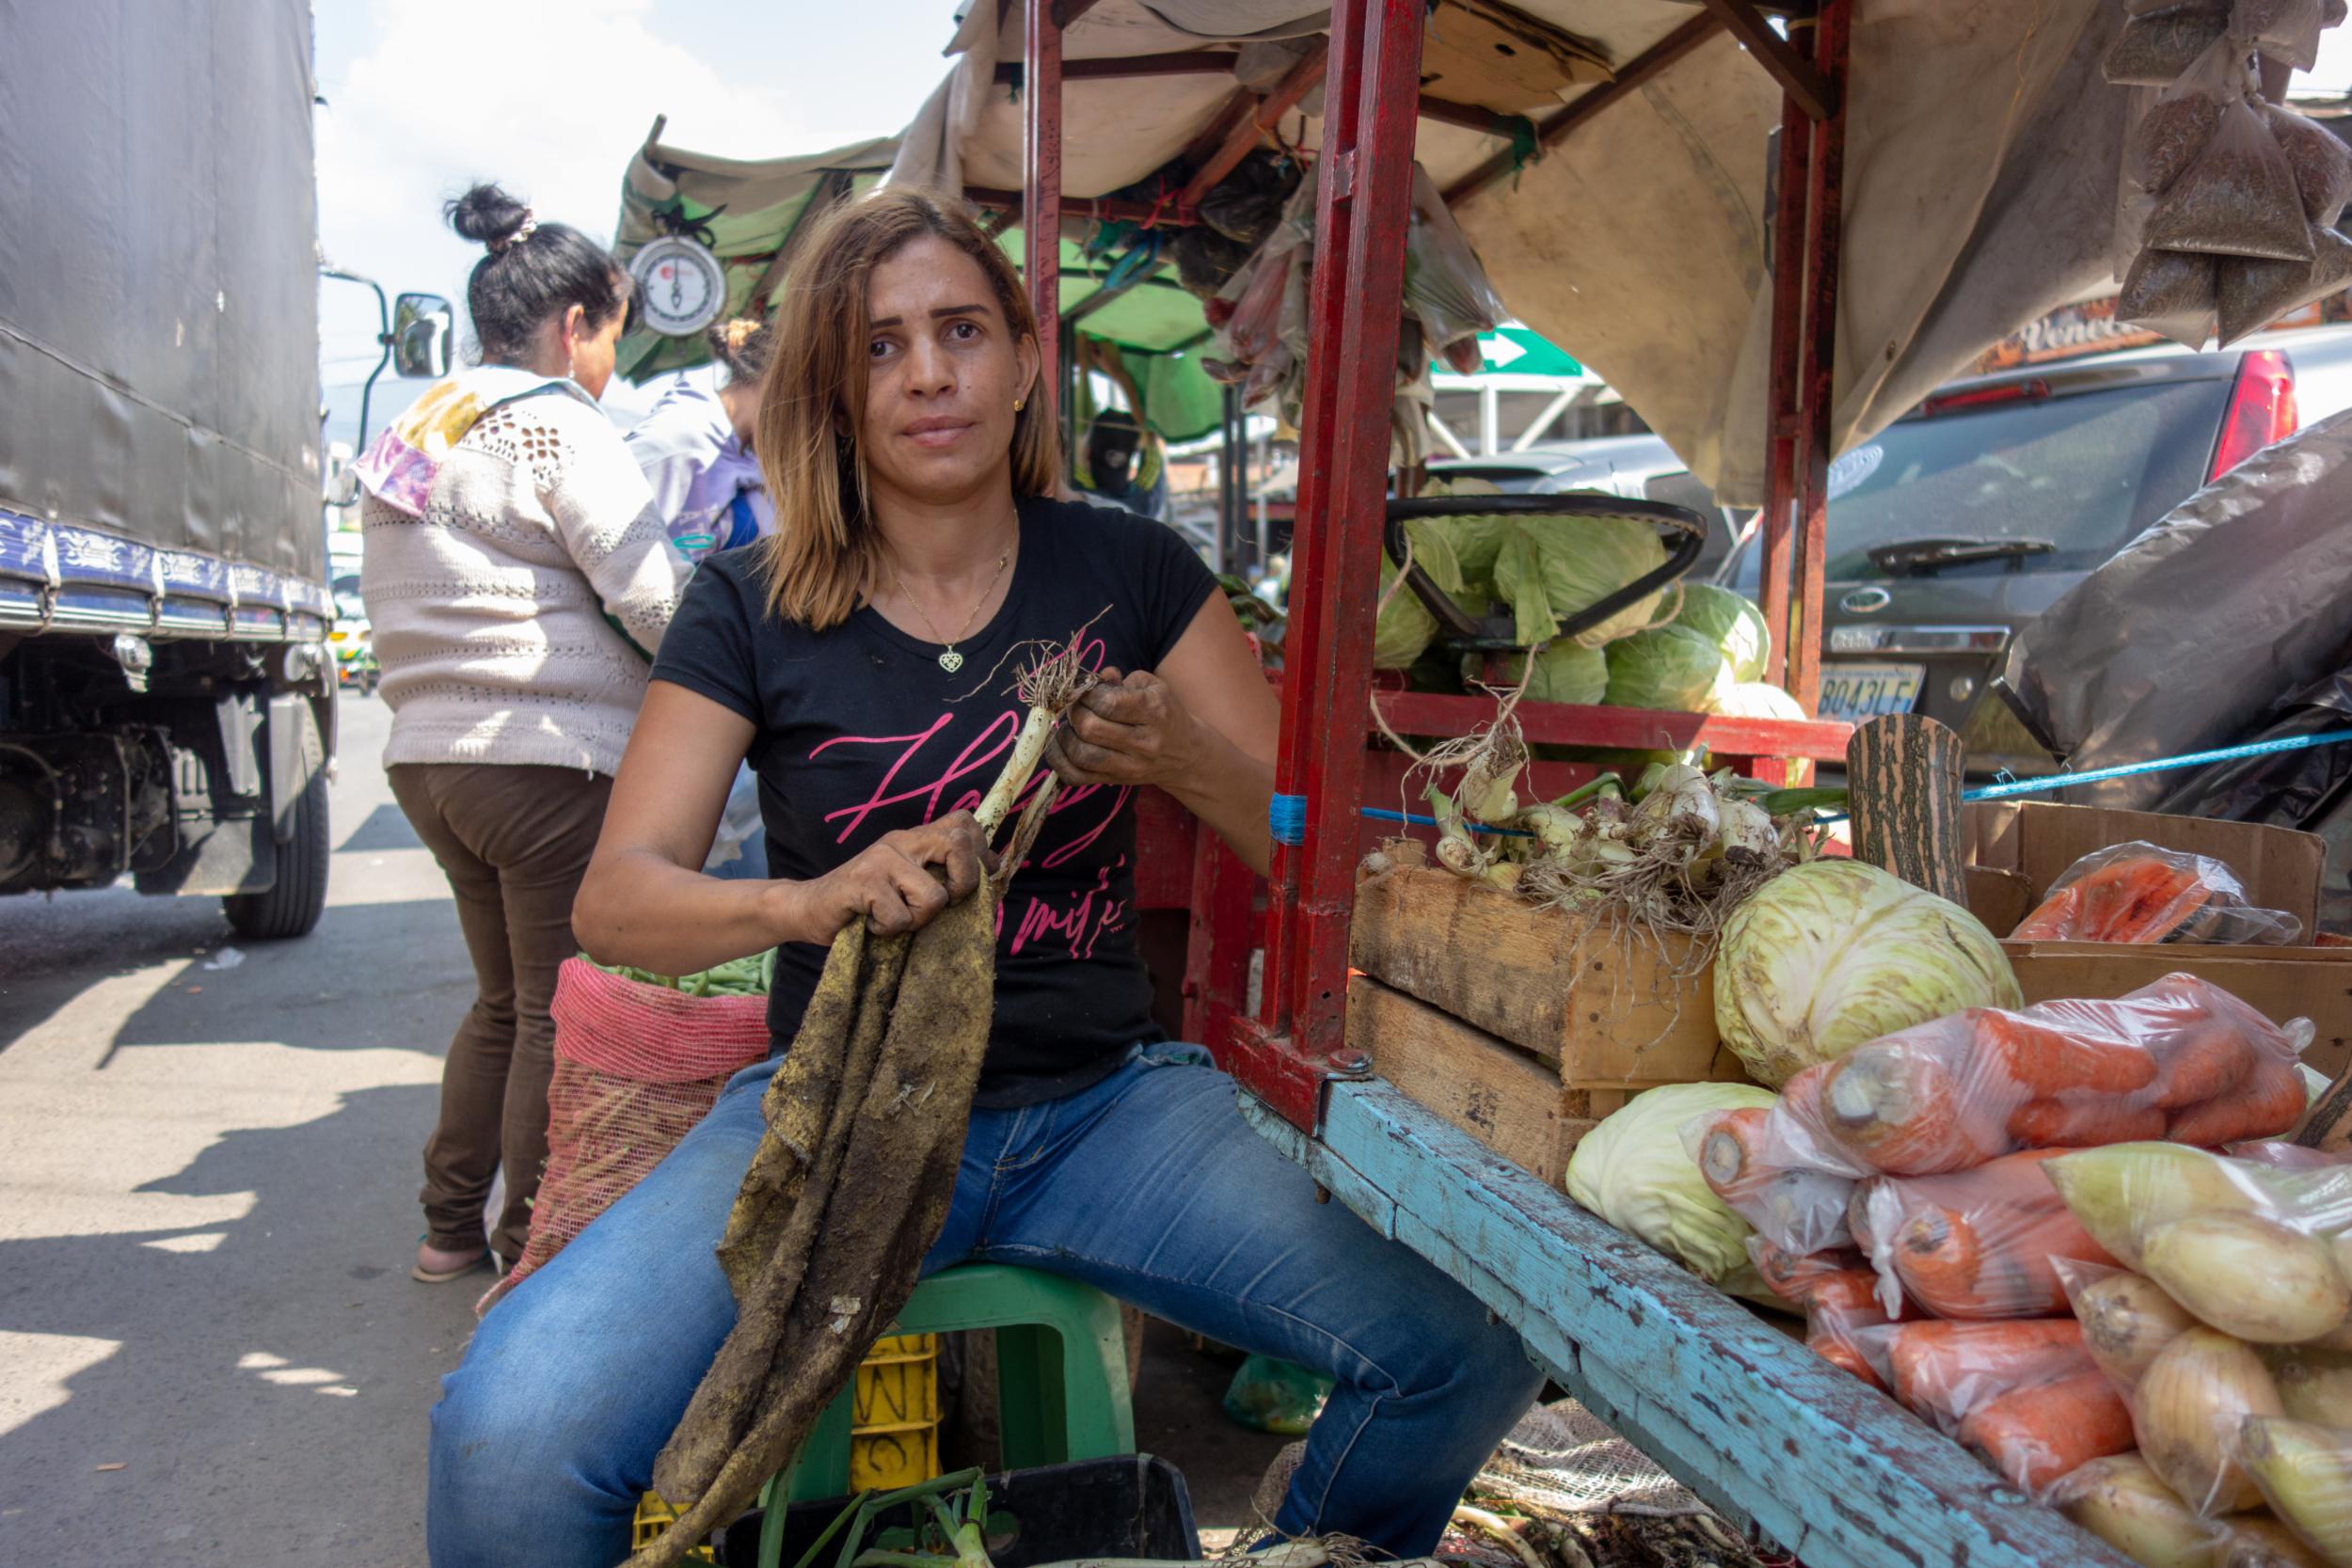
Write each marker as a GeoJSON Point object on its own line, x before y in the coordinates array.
{"type": "Point", "coordinates": [1748, 1418]}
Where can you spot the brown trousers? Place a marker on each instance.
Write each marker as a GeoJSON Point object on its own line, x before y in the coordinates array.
{"type": "Point", "coordinates": [514, 842]}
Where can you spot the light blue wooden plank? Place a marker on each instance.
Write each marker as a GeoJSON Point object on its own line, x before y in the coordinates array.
{"type": "Point", "coordinates": [1834, 1470]}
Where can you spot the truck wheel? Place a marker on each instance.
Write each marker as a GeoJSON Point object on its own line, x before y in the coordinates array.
{"type": "Point", "coordinates": [292, 907]}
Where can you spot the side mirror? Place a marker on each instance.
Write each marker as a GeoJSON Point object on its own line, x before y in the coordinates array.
{"type": "Point", "coordinates": [423, 331]}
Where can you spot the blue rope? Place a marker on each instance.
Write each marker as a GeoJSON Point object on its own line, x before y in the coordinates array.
{"type": "Point", "coordinates": [1286, 820]}
{"type": "Point", "coordinates": [2192, 759]}
{"type": "Point", "coordinates": [1420, 821]}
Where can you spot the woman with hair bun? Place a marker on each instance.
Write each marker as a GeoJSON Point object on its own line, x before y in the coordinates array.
{"type": "Point", "coordinates": [518, 578]}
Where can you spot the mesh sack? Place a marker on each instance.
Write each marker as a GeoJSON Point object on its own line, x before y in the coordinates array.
{"type": "Point", "coordinates": [636, 1067]}
{"type": "Point", "coordinates": [2237, 199]}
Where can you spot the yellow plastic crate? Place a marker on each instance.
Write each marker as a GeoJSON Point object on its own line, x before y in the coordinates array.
{"type": "Point", "coordinates": [653, 1521]}
{"type": "Point", "coordinates": [894, 1419]}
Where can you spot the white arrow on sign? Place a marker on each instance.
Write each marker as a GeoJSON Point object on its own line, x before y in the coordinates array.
{"type": "Point", "coordinates": [1499, 350]}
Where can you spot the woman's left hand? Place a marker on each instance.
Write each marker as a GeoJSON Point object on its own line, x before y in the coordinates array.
{"type": "Point", "coordinates": [1127, 730]}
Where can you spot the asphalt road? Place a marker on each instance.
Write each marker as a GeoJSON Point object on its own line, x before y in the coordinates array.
{"type": "Point", "coordinates": [211, 1351]}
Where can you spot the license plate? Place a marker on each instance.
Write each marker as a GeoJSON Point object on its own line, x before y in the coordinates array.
{"type": "Point", "coordinates": [1854, 693]}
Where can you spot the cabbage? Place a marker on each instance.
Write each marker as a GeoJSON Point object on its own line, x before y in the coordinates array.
{"type": "Point", "coordinates": [1753, 699]}
{"type": "Point", "coordinates": [1405, 628]}
{"type": "Point", "coordinates": [1632, 1171]}
{"type": "Point", "coordinates": [1837, 952]}
{"type": "Point", "coordinates": [1733, 624]}
{"type": "Point", "coordinates": [1549, 568]}
{"type": "Point", "coordinates": [1663, 667]}
{"type": "Point", "coordinates": [1565, 672]}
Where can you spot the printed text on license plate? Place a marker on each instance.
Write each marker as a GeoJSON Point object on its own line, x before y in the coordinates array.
{"type": "Point", "coordinates": [1857, 691]}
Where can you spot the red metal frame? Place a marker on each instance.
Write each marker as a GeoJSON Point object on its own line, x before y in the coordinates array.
{"type": "Point", "coordinates": [1295, 1043]}
{"type": "Point", "coordinates": [1040, 189]}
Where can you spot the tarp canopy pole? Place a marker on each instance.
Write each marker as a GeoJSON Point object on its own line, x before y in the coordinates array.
{"type": "Point", "coordinates": [1040, 193]}
{"type": "Point", "coordinates": [1363, 200]}
{"type": "Point", "coordinates": [1806, 227]}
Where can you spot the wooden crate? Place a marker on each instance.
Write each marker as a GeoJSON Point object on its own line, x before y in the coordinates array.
{"type": "Point", "coordinates": [1605, 1013]}
{"type": "Point", "coordinates": [1505, 1098]}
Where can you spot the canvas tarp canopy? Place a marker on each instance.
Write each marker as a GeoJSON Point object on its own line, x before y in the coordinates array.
{"type": "Point", "coordinates": [751, 209]}
{"type": "Point", "coordinates": [1982, 150]}
{"type": "Point", "coordinates": [748, 212]}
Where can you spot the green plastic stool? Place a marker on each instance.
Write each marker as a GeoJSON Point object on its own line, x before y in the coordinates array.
{"type": "Point", "coordinates": [1051, 1407]}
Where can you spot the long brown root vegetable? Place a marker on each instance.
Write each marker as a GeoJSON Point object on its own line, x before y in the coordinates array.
{"type": "Point", "coordinates": [865, 1119]}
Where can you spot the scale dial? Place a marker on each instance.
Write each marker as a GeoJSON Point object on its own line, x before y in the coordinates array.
{"type": "Point", "coordinates": [680, 286]}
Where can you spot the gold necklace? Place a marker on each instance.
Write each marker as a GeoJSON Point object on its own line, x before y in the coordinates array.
{"type": "Point", "coordinates": [949, 659]}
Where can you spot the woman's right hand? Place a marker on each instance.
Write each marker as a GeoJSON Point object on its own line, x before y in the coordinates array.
{"type": "Point", "coordinates": [890, 884]}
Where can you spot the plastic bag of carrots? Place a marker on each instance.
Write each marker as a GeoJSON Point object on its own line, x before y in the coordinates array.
{"type": "Point", "coordinates": [1976, 1244]}
{"type": "Point", "coordinates": [1839, 1295]}
{"type": "Point", "coordinates": [2023, 1395]}
{"type": "Point", "coordinates": [1802, 1210]}
{"type": "Point", "coordinates": [2140, 893]}
{"type": "Point", "coordinates": [2180, 1060]}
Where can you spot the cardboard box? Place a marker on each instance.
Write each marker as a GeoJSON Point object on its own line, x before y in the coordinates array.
{"type": "Point", "coordinates": [2020, 848]}
{"type": "Point", "coordinates": [1606, 1012]}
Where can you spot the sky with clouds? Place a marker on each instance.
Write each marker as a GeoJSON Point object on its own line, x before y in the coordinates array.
{"type": "Point", "coordinates": [550, 98]}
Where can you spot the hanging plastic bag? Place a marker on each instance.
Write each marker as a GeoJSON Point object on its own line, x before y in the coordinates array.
{"type": "Point", "coordinates": [2153, 50]}
{"type": "Point", "coordinates": [1977, 1245]}
{"type": "Point", "coordinates": [2181, 123]}
{"type": "Point", "coordinates": [2237, 199]}
{"type": "Point", "coordinates": [2139, 893]}
{"type": "Point", "coordinates": [2322, 164]}
{"type": "Point", "coordinates": [2172, 291]}
{"type": "Point", "coordinates": [2285, 30]}
{"type": "Point", "coordinates": [1247, 204]}
{"type": "Point", "coordinates": [1445, 283]}
{"type": "Point", "coordinates": [2150, 8]}
{"type": "Point", "coordinates": [2253, 294]}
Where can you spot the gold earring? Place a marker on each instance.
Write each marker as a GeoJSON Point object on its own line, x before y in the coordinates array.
{"type": "Point", "coordinates": [1018, 403]}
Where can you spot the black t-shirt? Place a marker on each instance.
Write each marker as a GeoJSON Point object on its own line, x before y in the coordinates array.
{"type": "Point", "coordinates": [861, 732]}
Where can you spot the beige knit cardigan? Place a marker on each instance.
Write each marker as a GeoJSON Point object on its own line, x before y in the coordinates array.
{"type": "Point", "coordinates": [494, 613]}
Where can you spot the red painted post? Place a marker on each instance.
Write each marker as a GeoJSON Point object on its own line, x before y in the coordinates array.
{"type": "Point", "coordinates": [1818, 358]}
{"type": "Point", "coordinates": [1780, 428]}
{"type": "Point", "coordinates": [1355, 306]}
{"type": "Point", "coordinates": [1041, 188]}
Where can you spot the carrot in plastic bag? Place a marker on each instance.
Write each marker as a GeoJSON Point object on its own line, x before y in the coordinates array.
{"type": "Point", "coordinates": [1945, 1371]}
{"type": "Point", "coordinates": [2041, 1058]}
{"type": "Point", "coordinates": [1979, 1244]}
{"type": "Point", "coordinates": [2084, 1122]}
{"type": "Point", "coordinates": [2131, 893]}
{"type": "Point", "coordinates": [2036, 1434]}
{"type": "Point", "coordinates": [2267, 1104]}
{"type": "Point", "coordinates": [1793, 1275]}
{"type": "Point", "coordinates": [1798, 1210]}
{"type": "Point", "coordinates": [1836, 1307]}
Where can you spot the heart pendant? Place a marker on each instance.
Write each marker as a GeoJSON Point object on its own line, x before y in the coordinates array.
{"type": "Point", "coordinates": [951, 662]}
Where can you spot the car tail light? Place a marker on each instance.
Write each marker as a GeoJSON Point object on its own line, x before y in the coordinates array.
{"type": "Point", "coordinates": [2262, 410]}
{"type": "Point", "coordinates": [2035, 390]}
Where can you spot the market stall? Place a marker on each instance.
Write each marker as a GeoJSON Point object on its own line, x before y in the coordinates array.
{"type": "Point", "coordinates": [1958, 165]}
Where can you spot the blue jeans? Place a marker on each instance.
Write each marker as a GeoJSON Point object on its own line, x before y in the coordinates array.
{"type": "Point", "coordinates": [1149, 1186]}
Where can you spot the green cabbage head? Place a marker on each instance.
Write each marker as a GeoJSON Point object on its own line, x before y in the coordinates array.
{"type": "Point", "coordinates": [1665, 667]}
{"type": "Point", "coordinates": [1549, 568]}
{"type": "Point", "coordinates": [1634, 1171]}
{"type": "Point", "coordinates": [1729, 621]}
{"type": "Point", "coordinates": [1567, 672]}
{"type": "Point", "coordinates": [1404, 629]}
{"type": "Point", "coordinates": [1754, 699]}
{"type": "Point", "coordinates": [1831, 954]}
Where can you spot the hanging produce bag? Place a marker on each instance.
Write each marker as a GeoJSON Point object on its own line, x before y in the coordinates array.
{"type": "Point", "coordinates": [2238, 198]}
